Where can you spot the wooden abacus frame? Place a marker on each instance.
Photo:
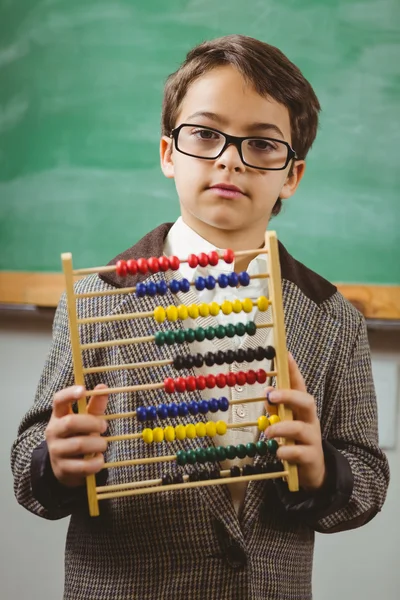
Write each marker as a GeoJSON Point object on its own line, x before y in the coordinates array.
{"type": "Point", "coordinates": [281, 374]}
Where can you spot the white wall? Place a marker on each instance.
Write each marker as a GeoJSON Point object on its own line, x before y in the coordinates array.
{"type": "Point", "coordinates": [356, 565]}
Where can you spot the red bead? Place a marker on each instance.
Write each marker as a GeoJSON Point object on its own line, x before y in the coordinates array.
{"type": "Point", "coordinates": [261, 376]}
{"type": "Point", "coordinates": [164, 263]}
{"type": "Point", "coordinates": [121, 268]}
{"type": "Point", "coordinates": [251, 377]}
{"type": "Point", "coordinates": [132, 266]}
{"type": "Point", "coordinates": [169, 385]}
{"type": "Point", "coordinates": [201, 383]}
{"type": "Point", "coordinates": [241, 378]}
{"type": "Point", "coordinates": [203, 259]}
{"type": "Point", "coordinates": [174, 262]}
{"type": "Point", "coordinates": [210, 379]}
{"type": "Point", "coordinates": [193, 261]}
{"type": "Point", "coordinates": [213, 258]}
{"type": "Point", "coordinates": [231, 379]}
{"type": "Point", "coordinates": [142, 265]}
{"type": "Point", "coordinates": [220, 380]}
{"type": "Point", "coordinates": [180, 384]}
{"type": "Point", "coordinates": [229, 256]}
{"type": "Point", "coordinates": [191, 383]}
{"type": "Point", "coordinates": [153, 264]}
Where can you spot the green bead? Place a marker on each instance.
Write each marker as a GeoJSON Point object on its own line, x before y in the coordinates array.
{"type": "Point", "coordinates": [272, 446]}
{"type": "Point", "coordinates": [230, 330]}
{"type": "Point", "coordinates": [181, 458]}
{"type": "Point", "coordinates": [170, 337]}
{"type": "Point", "coordinates": [261, 448]}
{"type": "Point", "coordinates": [180, 336]}
{"type": "Point", "coordinates": [191, 457]}
{"type": "Point", "coordinates": [159, 338]}
{"type": "Point", "coordinates": [210, 333]}
{"type": "Point", "coordinates": [241, 451]}
{"type": "Point", "coordinates": [211, 454]}
{"type": "Point", "coordinates": [200, 334]}
{"type": "Point", "coordinates": [251, 328]}
{"type": "Point", "coordinates": [190, 335]}
{"type": "Point", "coordinates": [230, 452]}
{"type": "Point", "coordinates": [251, 449]}
{"type": "Point", "coordinates": [240, 329]}
{"type": "Point", "coordinates": [221, 453]}
{"type": "Point", "coordinates": [220, 332]}
{"type": "Point", "coordinates": [201, 455]}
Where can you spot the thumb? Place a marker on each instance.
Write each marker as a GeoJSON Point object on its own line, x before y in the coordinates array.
{"type": "Point", "coordinates": [97, 404]}
{"type": "Point", "coordinates": [296, 378]}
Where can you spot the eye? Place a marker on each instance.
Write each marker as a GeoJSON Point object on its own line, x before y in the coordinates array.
{"type": "Point", "coordinates": [261, 144]}
{"type": "Point", "coordinates": [205, 134]}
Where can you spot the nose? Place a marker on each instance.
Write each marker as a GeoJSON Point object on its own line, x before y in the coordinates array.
{"type": "Point", "coordinates": [230, 160]}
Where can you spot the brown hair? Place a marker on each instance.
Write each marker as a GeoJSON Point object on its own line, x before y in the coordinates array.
{"type": "Point", "coordinates": [266, 68]}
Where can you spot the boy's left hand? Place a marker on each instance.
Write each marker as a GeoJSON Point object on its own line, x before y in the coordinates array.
{"type": "Point", "coordinates": [305, 430]}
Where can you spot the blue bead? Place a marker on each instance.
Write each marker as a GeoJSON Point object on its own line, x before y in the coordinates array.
{"type": "Point", "coordinates": [203, 407]}
{"type": "Point", "coordinates": [172, 410]}
{"type": "Point", "coordinates": [162, 411]}
{"type": "Point", "coordinates": [213, 405]}
{"type": "Point", "coordinates": [193, 408]}
{"type": "Point", "coordinates": [151, 288]}
{"type": "Point", "coordinates": [244, 278]}
{"type": "Point", "coordinates": [233, 279]}
{"type": "Point", "coordinates": [151, 413]}
{"type": "Point", "coordinates": [184, 285]}
{"type": "Point", "coordinates": [174, 286]}
{"type": "Point", "coordinates": [162, 287]}
{"type": "Point", "coordinates": [200, 283]}
{"type": "Point", "coordinates": [223, 280]}
{"type": "Point", "coordinates": [141, 413]}
{"type": "Point", "coordinates": [141, 290]}
{"type": "Point", "coordinates": [223, 403]}
{"type": "Point", "coordinates": [183, 409]}
{"type": "Point", "coordinates": [210, 282]}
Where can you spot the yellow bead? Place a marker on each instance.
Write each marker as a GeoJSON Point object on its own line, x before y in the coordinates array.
{"type": "Point", "coordinates": [169, 434]}
{"type": "Point", "coordinates": [158, 434]}
{"type": "Point", "coordinates": [190, 431]}
{"type": "Point", "coordinates": [274, 419]}
{"type": "Point", "coordinates": [247, 305]}
{"type": "Point", "coordinates": [182, 312]}
{"type": "Point", "coordinates": [237, 306]}
{"type": "Point", "coordinates": [172, 313]}
{"type": "Point", "coordinates": [147, 435]}
{"type": "Point", "coordinates": [262, 303]}
{"type": "Point", "coordinates": [263, 423]}
{"type": "Point", "coordinates": [226, 307]}
{"type": "Point", "coordinates": [159, 314]}
{"type": "Point", "coordinates": [204, 310]}
{"type": "Point", "coordinates": [221, 427]}
{"type": "Point", "coordinates": [201, 429]}
{"type": "Point", "coordinates": [193, 311]}
{"type": "Point", "coordinates": [180, 432]}
{"type": "Point", "coordinates": [211, 428]}
{"type": "Point", "coordinates": [214, 309]}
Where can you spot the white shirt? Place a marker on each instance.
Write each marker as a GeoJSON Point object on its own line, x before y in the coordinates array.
{"type": "Point", "coordinates": [182, 241]}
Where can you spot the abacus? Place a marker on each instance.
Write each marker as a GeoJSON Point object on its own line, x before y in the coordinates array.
{"type": "Point", "coordinates": [172, 410]}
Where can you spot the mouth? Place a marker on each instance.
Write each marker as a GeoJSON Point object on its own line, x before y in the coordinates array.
{"type": "Point", "coordinates": [226, 190]}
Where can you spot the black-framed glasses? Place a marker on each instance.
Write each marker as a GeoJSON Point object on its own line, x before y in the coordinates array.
{"type": "Point", "coordinates": [268, 154]}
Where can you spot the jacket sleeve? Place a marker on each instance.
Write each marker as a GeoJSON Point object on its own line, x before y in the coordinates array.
{"type": "Point", "coordinates": [357, 469]}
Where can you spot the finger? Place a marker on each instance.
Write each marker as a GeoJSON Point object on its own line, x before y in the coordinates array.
{"type": "Point", "coordinates": [76, 424]}
{"type": "Point", "coordinates": [78, 446]}
{"type": "Point", "coordinates": [97, 404]}
{"type": "Point", "coordinates": [301, 403]}
{"type": "Point", "coordinates": [296, 454]}
{"type": "Point", "coordinates": [296, 378]}
{"type": "Point", "coordinates": [80, 467]}
{"type": "Point", "coordinates": [64, 399]}
{"type": "Point", "coordinates": [272, 410]}
{"type": "Point", "coordinates": [297, 431]}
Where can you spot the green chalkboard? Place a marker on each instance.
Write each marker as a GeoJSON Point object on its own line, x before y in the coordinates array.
{"type": "Point", "coordinates": [80, 96]}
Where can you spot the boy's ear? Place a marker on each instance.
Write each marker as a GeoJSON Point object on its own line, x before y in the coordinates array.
{"type": "Point", "coordinates": [292, 182]}
{"type": "Point", "coordinates": [167, 163]}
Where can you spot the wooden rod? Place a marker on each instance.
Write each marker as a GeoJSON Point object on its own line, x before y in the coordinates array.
{"type": "Point", "coordinates": [192, 484]}
{"type": "Point", "coordinates": [138, 461]}
{"type": "Point", "coordinates": [144, 365]}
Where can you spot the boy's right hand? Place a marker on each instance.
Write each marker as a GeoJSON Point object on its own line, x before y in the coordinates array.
{"type": "Point", "coordinates": [71, 436]}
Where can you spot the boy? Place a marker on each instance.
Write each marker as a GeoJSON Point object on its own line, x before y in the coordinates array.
{"type": "Point", "coordinates": [238, 120]}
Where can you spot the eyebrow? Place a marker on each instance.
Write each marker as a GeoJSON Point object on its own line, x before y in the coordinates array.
{"type": "Point", "coordinates": [252, 127]}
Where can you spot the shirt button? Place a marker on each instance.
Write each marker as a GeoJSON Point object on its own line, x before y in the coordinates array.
{"type": "Point", "coordinates": [238, 388]}
{"type": "Point", "coordinates": [240, 412]}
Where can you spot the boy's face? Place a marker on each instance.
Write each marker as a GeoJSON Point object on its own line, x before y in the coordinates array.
{"type": "Point", "coordinates": [235, 108]}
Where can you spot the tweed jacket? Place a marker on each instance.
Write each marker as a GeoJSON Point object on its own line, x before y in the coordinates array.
{"type": "Point", "coordinates": [191, 544]}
